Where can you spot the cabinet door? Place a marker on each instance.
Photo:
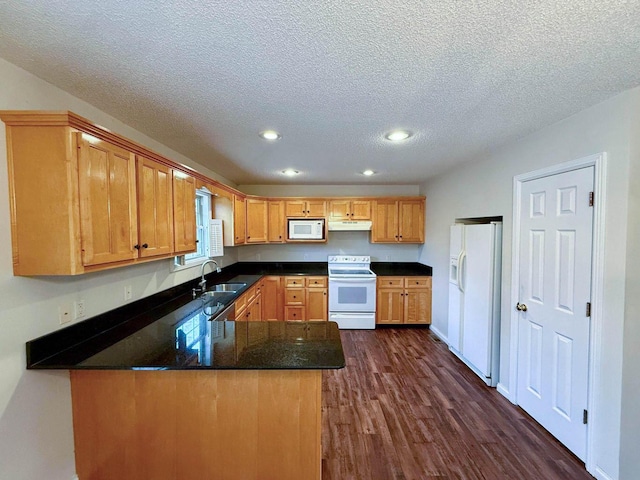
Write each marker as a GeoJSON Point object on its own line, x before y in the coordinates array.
{"type": "Point", "coordinates": [295, 208]}
{"type": "Point", "coordinates": [316, 208]}
{"type": "Point", "coordinates": [277, 226]}
{"type": "Point", "coordinates": [255, 313]}
{"type": "Point", "coordinates": [411, 221]}
{"type": "Point", "coordinates": [257, 220]}
{"type": "Point", "coordinates": [390, 305]}
{"type": "Point", "coordinates": [272, 299]}
{"type": "Point", "coordinates": [155, 208]}
{"type": "Point", "coordinates": [417, 306]}
{"type": "Point", "coordinates": [339, 210]}
{"type": "Point", "coordinates": [384, 227]}
{"type": "Point", "coordinates": [108, 210]}
{"type": "Point", "coordinates": [239, 220]}
{"type": "Point", "coordinates": [361, 210]}
{"type": "Point", "coordinates": [184, 212]}
{"type": "Point", "coordinates": [316, 304]}
{"type": "Point", "coordinates": [418, 300]}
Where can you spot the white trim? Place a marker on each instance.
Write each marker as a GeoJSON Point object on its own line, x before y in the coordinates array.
{"type": "Point", "coordinates": [601, 475]}
{"type": "Point", "coordinates": [439, 334]}
{"type": "Point", "coordinates": [504, 391]}
{"type": "Point", "coordinates": [599, 162]}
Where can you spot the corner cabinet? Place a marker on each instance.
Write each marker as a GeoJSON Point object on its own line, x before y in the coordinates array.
{"type": "Point", "coordinates": [398, 221]}
{"type": "Point", "coordinates": [82, 201]}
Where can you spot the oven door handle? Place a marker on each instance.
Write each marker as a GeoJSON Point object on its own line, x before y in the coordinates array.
{"type": "Point", "coordinates": [352, 279]}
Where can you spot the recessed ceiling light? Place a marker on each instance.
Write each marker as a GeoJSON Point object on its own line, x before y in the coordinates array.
{"type": "Point", "coordinates": [398, 135]}
{"type": "Point", "coordinates": [290, 172]}
{"type": "Point", "coordinates": [368, 173]}
{"type": "Point", "coordinates": [270, 135]}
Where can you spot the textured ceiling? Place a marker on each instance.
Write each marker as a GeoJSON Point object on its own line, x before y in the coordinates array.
{"type": "Point", "coordinates": [332, 76]}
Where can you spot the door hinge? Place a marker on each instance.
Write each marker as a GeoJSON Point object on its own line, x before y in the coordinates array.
{"type": "Point", "coordinates": [585, 416]}
{"type": "Point", "coordinates": [588, 309]}
{"type": "Point", "coordinates": [591, 199]}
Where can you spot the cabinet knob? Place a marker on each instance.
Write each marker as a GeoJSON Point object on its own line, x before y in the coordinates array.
{"type": "Point", "coordinates": [145, 245]}
{"type": "Point", "coordinates": [137, 247]}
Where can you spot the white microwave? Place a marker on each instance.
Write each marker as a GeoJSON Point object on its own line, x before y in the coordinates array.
{"type": "Point", "coordinates": [306, 229]}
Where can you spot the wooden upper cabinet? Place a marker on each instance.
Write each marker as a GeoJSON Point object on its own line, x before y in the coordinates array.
{"type": "Point", "coordinates": [108, 209]}
{"type": "Point", "coordinates": [411, 221]}
{"type": "Point", "coordinates": [239, 220]}
{"type": "Point", "coordinates": [311, 208]}
{"type": "Point", "coordinates": [184, 212]}
{"type": "Point", "coordinates": [277, 225]}
{"type": "Point", "coordinates": [345, 209]}
{"type": "Point", "coordinates": [155, 208]}
{"type": "Point", "coordinates": [384, 228]}
{"type": "Point", "coordinates": [398, 221]}
{"type": "Point", "coordinates": [257, 220]}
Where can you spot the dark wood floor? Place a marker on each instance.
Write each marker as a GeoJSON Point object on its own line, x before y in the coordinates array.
{"type": "Point", "coordinates": [405, 408]}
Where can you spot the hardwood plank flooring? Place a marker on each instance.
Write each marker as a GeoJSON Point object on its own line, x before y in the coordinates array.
{"type": "Point", "coordinates": [405, 408]}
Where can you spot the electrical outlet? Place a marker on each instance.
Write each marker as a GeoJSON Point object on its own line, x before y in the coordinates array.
{"type": "Point", "coordinates": [64, 313]}
{"type": "Point", "coordinates": [79, 309]}
{"type": "Point", "coordinates": [127, 292]}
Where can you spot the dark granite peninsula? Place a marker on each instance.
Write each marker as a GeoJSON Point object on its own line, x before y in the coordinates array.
{"type": "Point", "coordinates": [162, 390]}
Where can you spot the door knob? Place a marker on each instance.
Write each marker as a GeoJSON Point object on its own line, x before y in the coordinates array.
{"type": "Point", "coordinates": [521, 307]}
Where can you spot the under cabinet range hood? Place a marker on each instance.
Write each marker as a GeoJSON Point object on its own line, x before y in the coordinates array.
{"type": "Point", "coordinates": [349, 225]}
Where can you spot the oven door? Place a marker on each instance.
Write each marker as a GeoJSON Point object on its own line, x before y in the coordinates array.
{"type": "Point", "coordinates": [352, 294]}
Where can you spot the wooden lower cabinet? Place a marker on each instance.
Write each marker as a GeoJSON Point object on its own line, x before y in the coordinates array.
{"type": "Point", "coordinates": [403, 300]}
{"type": "Point", "coordinates": [215, 424]}
{"type": "Point", "coordinates": [306, 298]}
{"type": "Point", "coordinates": [272, 298]}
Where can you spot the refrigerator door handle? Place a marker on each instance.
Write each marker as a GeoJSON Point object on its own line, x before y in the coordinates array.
{"type": "Point", "coordinates": [461, 259]}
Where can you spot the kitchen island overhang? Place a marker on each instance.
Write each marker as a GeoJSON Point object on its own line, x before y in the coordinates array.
{"type": "Point", "coordinates": [171, 394]}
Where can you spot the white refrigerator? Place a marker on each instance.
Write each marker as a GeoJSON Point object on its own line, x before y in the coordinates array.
{"type": "Point", "coordinates": [475, 265]}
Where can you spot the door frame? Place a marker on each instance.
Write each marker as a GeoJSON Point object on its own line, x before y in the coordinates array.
{"type": "Point", "coordinates": [599, 162]}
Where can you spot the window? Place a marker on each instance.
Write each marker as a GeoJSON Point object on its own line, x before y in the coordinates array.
{"type": "Point", "coordinates": [204, 248]}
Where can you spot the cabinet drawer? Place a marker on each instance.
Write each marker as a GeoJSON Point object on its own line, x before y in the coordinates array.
{"type": "Point", "coordinates": [294, 281]}
{"type": "Point", "coordinates": [317, 282]}
{"type": "Point", "coordinates": [294, 296]}
{"type": "Point", "coordinates": [294, 313]}
{"type": "Point", "coordinates": [390, 282]}
{"type": "Point", "coordinates": [417, 282]}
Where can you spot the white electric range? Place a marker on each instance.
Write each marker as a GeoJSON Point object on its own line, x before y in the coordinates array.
{"type": "Point", "coordinates": [352, 292]}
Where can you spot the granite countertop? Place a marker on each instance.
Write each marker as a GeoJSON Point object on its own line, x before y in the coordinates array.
{"type": "Point", "coordinates": [172, 330]}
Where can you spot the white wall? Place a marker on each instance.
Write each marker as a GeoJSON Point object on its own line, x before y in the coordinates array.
{"type": "Point", "coordinates": [630, 431]}
{"type": "Point", "coordinates": [484, 188]}
{"type": "Point", "coordinates": [36, 440]}
{"type": "Point", "coordinates": [339, 243]}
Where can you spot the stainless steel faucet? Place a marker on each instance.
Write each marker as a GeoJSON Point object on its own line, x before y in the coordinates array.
{"type": "Point", "coordinates": [203, 282]}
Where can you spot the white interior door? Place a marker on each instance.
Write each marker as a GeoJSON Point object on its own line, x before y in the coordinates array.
{"type": "Point", "coordinates": [554, 287]}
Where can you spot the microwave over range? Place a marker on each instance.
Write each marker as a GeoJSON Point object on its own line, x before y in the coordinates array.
{"type": "Point", "coordinates": [306, 229]}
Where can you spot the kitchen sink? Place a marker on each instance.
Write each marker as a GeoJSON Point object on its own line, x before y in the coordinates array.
{"type": "Point", "coordinates": [213, 294]}
{"type": "Point", "coordinates": [227, 287]}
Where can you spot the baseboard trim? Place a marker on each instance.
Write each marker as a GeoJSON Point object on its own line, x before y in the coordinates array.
{"type": "Point", "coordinates": [439, 334]}
{"type": "Point", "coordinates": [504, 391]}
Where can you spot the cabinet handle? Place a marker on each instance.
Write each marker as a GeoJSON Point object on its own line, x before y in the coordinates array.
{"type": "Point", "coordinates": [145, 245]}
{"type": "Point", "coordinates": [137, 247]}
